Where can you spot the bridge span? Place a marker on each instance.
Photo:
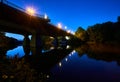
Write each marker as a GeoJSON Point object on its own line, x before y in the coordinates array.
{"type": "Point", "coordinates": [14, 19]}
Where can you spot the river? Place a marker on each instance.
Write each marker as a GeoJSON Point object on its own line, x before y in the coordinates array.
{"type": "Point", "coordinates": [81, 64]}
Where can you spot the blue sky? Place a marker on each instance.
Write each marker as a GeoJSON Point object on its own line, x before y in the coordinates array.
{"type": "Point", "coordinates": [75, 13]}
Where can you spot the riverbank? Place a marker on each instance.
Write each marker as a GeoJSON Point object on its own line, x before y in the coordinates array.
{"type": "Point", "coordinates": [106, 48]}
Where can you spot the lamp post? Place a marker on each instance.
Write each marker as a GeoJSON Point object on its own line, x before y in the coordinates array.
{"type": "Point", "coordinates": [59, 25]}
{"type": "Point", "coordinates": [30, 11]}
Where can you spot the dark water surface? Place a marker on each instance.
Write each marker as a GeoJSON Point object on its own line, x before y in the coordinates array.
{"type": "Point", "coordinates": [83, 64]}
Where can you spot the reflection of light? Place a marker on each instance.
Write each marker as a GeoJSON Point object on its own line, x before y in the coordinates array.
{"type": "Point", "coordinates": [66, 59]}
{"type": "Point", "coordinates": [51, 48]}
{"type": "Point", "coordinates": [51, 37]}
{"type": "Point", "coordinates": [60, 64]}
{"type": "Point", "coordinates": [30, 11]}
{"type": "Point", "coordinates": [45, 16]}
{"type": "Point", "coordinates": [72, 52]}
{"type": "Point", "coordinates": [4, 76]}
{"type": "Point", "coordinates": [69, 54]}
{"type": "Point", "coordinates": [59, 25]}
{"type": "Point", "coordinates": [48, 76]}
{"type": "Point", "coordinates": [67, 37]}
{"type": "Point", "coordinates": [68, 47]}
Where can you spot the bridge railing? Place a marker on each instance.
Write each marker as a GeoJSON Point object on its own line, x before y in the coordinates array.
{"type": "Point", "coordinates": [12, 5]}
{"type": "Point", "coordinates": [19, 8]}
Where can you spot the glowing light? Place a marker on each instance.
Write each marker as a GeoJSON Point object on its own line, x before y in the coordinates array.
{"type": "Point", "coordinates": [51, 37]}
{"type": "Point", "coordinates": [30, 11]}
{"type": "Point", "coordinates": [67, 37]}
{"type": "Point", "coordinates": [68, 31]}
{"type": "Point", "coordinates": [66, 59]}
{"type": "Point", "coordinates": [74, 51]}
{"type": "Point", "coordinates": [59, 25]}
{"type": "Point", "coordinates": [60, 64]}
{"type": "Point", "coordinates": [4, 76]}
{"type": "Point", "coordinates": [48, 76]}
{"type": "Point", "coordinates": [65, 27]}
{"type": "Point", "coordinates": [51, 48]}
{"type": "Point", "coordinates": [68, 46]}
{"type": "Point", "coordinates": [70, 55]}
{"type": "Point", "coordinates": [45, 16]}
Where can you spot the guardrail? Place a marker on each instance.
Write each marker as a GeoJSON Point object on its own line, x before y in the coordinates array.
{"type": "Point", "coordinates": [19, 8]}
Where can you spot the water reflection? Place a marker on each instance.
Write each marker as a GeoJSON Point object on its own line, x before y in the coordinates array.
{"type": "Point", "coordinates": [88, 63]}
{"type": "Point", "coordinates": [19, 65]}
{"type": "Point", "coordinates": [16, 51]}
{"type": "Point", "coordinates": [3, 50]}
{"type": "Point", "coordinates": [106, 53]}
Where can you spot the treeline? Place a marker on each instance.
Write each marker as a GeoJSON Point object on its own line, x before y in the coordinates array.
{"type": "Point", "coordinates": [108, 32]}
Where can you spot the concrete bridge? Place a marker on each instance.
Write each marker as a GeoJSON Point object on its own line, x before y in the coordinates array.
{"type": "Point", "coordinates": [14, 19]}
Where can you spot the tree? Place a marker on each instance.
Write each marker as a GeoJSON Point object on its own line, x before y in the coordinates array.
{"type": "Point", "coordinates": [81, 34]}
{"type": "Point", "coordinates": [118, 19]}
{"type": "Point", "coordinates": [94, 33]}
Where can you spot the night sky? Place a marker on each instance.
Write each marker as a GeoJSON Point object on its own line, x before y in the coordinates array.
{"type": "Point", "coordinates": [75, 13]}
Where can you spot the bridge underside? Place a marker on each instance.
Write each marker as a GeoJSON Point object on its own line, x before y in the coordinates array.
{"type": "Point", "coordinates": [16, 21]}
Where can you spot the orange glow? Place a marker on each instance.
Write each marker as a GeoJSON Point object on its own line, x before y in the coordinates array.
{"type": "Point", "coordinates": [30, 11]}
{"type": "Point", "coordinates": [59, 25]}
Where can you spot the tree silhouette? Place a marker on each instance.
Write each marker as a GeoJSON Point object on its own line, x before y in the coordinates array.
{"type": "Point", "coordinates": [118, 19]}
{"type": "Point", "coordinates": [81, 34]}
{"type": "Point", "coordinates": [108, 32]}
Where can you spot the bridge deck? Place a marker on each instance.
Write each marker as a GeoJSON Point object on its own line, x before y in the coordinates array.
{"type": "Point", "coordinates": [16, 21]}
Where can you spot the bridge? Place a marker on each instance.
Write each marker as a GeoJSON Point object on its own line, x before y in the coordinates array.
{"type": "Point", "coordinates": [14, 19]}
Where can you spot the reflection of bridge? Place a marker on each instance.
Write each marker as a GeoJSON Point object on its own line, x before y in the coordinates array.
{"type": "Point", "coordinates": [39, 66]}
{"type": "Point", "coordinates": [104, 52]}
{"type": "Point", "coordinates": [15, 20]}
{"type": "Point", "coordinates": [47, 60]}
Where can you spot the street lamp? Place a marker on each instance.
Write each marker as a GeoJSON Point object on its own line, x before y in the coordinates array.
{"type": "Point", "coordinates": [59, 25]}
{"type": "Point", "coordinates": [45, 16]}
{"type": "Point", "coordinates": [68, 31]}
{"type": "Point", "coordinates": [65, 27]}
{"type": "Point", "coordinates": [31, 11]}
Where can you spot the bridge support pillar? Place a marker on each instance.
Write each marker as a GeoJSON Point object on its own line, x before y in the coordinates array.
{"type": "Point", "coordinates": [26, 41]}
{"type": "Point", "coordinates": [26, 45]}
{"type": "Point", "coordinates": [36, 44]}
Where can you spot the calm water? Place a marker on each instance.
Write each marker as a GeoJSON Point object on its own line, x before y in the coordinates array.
{"type": "Point", "coordinates": [76, 65]}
